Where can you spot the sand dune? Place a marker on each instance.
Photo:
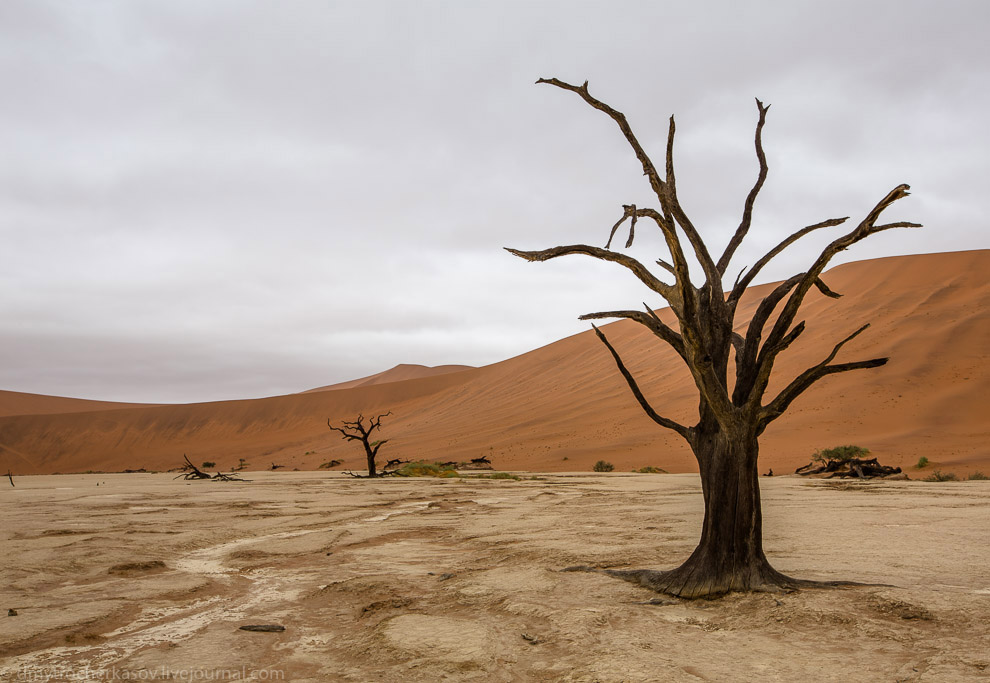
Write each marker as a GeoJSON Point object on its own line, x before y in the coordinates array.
{"type": "Point", "coordinates": [399, 373]}
{"type": "Point", "coordinates": [18, 403]}
{"type": "Point", "coordinates": [564, 406]}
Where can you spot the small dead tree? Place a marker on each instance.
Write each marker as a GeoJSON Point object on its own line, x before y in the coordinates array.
{"type": "Point", "coordinates": [732, 411]}
{"type": "Point", "coordinates": [357, 430]}
{"type": "Point", "coordinates": [191, 472]}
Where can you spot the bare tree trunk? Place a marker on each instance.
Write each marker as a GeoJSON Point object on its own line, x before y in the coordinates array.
{"type": "Point", "coordinates": [725, 439]}
{"type": "Point", "coordinates": [729, 556]}
{"type": "Point", "coordinates": [371, 459]}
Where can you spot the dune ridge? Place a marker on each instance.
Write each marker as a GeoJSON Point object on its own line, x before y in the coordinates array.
{"type": "Point", "coordinates": [399, 373]}
{"type": "Point", "coordinates": [564, 406]}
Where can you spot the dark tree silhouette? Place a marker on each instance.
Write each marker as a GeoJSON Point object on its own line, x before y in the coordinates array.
{"type": "Point", "coordinates": [356, 430]}
{"type": "Point", "coordinates": [732, 415]}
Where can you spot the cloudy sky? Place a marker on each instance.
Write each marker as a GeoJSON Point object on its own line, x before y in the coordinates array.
{"type": "Point", "coordinates": [213, 200]}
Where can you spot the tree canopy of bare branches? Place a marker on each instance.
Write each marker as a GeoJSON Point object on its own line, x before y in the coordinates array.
{"type": "Point", "coordinates": [733, 411]}
{"type": "Point", "coordinates": [357, 430]}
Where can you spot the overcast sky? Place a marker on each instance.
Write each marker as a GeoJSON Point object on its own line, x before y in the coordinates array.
{"type": "Point", "coordinates": [214, 200]}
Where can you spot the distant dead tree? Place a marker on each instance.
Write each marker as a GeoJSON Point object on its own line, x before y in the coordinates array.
{"type": "Point", "coordinates": [732, 414]}
{"type": "Point", "coordinates": [357, 430]}
{"type": "Point", "coordinates": [191, 472]}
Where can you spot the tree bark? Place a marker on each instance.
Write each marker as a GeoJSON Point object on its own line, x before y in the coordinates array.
{"type": "Point", "coordinates": [730, 553]}
{"type": "Point", "coordinates": [371, 459]}
{"type": "Point", "coordinates": [729, 556]}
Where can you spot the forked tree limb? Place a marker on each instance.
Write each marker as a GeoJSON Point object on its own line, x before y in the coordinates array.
{"type": "Point", "coordinates": [668, 292]}
{"type": "Point", "coordinates": [651, 322]}
{"type": "Point", "coordinates": [631, 381]}
{"type": "Point", "coordinates": [747, 217]}
{"type": "Point", "coordinates": [743, 282]}
{"type": "Point", "coordinates": [802, 382]}
{"type": "Point", "coordinates": [865, 228]}
{"type": "Point", "coordinates": [713, 278]}
{"type": "Point", "coordinates": [656, 183]}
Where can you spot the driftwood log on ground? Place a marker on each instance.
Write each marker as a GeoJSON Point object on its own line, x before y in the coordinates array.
{"type": "Point", "coordinates": [854, 467]}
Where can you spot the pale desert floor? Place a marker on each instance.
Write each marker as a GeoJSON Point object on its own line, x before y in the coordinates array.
{"type": "Point", "coordinates": [428, 580]}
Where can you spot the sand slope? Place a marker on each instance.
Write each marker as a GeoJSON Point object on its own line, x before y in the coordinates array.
{"type": "Point", "coordinates": [564, 406]}
{"type": "Point", "coordinates": [399, 373]}
{"type": "Point", "coordinates": [19, 403]}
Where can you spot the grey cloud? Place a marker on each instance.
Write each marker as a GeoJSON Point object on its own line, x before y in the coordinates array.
{"type": "Point", "coordinates": [212, 200]}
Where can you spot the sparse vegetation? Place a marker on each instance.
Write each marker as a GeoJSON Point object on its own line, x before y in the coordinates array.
{"type": "Point", "coordinates": [208, 463]}
{"type": "Point", "coordinates": [938, 475]}
{"type": "Point", "coordinates": [603, 466]}
{"type": "Point", "coordinates": [840, 453]}
{"type": "Point", "coordinates": [426, 469]}
{"type": "Point", "coordinates": [329, 463]}
{"type": "Point", "coordinates": [500, 475]}
{"type": "Point", "coordinates": [650, 469]}
{"type": "Point", "coordinates": [922, 463]}
{"type": "Point", "coordinates": [978, 476]}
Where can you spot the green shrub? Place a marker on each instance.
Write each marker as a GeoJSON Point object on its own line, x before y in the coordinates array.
{"type": "Point", "coordinates": [922, 462]}
{"type": "Point", "coordinates": [602, 466]}
{"type": "Point", "coordinates": [650, 469]}
{"type": "Point", "coordinates": [426, 469]}
{"type": "Point", "coordinates": [840, 453]}
{"type": "Point", "coordinates": [977, 476]}
{"type": "Point", "coordinates": [207, 464]}
{"type": "Point", "coordinates": [938, 475]}
{"type": "Point", "coordinates": [500, 475]}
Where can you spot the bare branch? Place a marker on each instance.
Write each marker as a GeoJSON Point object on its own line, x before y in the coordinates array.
{"type": "Point", "coordinates": [866, 228]}
{"type": "Point", "coordinates": [802, 382]}
{"type": "Point", "coordinates": [747, 217]}
{"type": "Point", "coordinates": [628, 212]}
{"type": "Point", "coordinates": [645, 276]}
{"type": "Point", "coordinates": [743, 282]}
{"type": "Point", "coordinates": [666, 266]}
{"type": "Point", "coordinates": [824, 289]}
{"type": "Point", "coordinates": [649, 170]}
{"type": "Point", "coordinates": [665, 221]}
{"type": "Point", "coordinates": [648, 320]}
{"type": "Point", "coordinates": [712, 276]}
{"type": "Point", "coordinates": [656, 417]}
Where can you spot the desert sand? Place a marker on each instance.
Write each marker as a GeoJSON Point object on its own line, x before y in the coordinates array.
{"type": "Point", "coordinates": [557, 407]}
{"type": "Point", "coordinates": [146, 577]}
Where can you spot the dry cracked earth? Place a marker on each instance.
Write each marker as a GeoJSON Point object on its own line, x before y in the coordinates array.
{"type": "Point", "coordinates": [143, 577]}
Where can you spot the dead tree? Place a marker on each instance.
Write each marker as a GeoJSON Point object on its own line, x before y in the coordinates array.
{"type": "Point", "coordinates": [190, 472]}
{"type": "Point", "coordinates": [356, 430]}
{"type": "Point", "coordinates": [732, 415]}
{"type": "Point", "coordinates": [11, 477]}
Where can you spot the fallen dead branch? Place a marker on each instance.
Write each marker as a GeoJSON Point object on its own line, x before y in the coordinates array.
{"type": "Point", "coordinates": [191, 472]}
{"type": "Point", "coordinates": [854, 467]}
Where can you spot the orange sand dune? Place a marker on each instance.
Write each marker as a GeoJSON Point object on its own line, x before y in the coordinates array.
{"type": "Point", "coordinates": [399, 373]}
{"type": "Point", "coordinates": [17, 403]}
{"type": "Point", "coordinates": [564, 406]}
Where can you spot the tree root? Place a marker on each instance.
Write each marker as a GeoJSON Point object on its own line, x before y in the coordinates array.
{"type": "Point", "coordinates": [673, 582]}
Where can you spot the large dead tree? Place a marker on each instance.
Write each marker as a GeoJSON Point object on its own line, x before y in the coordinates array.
{"type": "Point", "coordinates": [357, 430]}
{"type": "Point", "coordinates": [732, 414]}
